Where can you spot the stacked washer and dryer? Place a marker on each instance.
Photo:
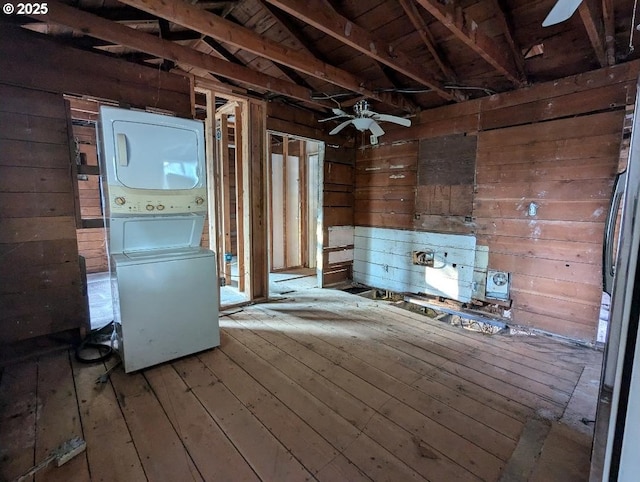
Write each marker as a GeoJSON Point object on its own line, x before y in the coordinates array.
{"type": "Point", "coordinates": [154, 190]}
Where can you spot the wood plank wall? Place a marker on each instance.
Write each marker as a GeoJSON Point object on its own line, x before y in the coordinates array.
{"type": "Point", "coordinates": [555, 144]}
{"type": "Point", "coordinates": [338, 210]}
{"type": "Point", "coordinates": [72, 71]}
{"type": "Point", "coordinates": [41, 288]}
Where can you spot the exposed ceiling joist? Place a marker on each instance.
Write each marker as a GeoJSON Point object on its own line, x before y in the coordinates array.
{"type": "Point", "coordinates": [427, 38]}
{"type": "Point", "coordinates": [609, 31]}
{"type": "Point", "coordinates": [468, 31]}
{"type": "Point", "coordinates": [192, 17]}
{"type": "Point", "coordinates": [516, 53]}
{"type": "Point", "coordinates": [113, 32]}
{"type": "Point", "coordinates": [322, 16]}
{"type": "Point", "coordinates": [591, 14]}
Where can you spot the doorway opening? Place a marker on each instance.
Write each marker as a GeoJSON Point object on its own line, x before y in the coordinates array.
{"type": "Point", "coordinates": [226, 127]}
{"type": "Point", "coordinates": [294, 196]}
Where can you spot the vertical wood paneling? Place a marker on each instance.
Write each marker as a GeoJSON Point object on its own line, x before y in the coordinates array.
{"type": "Point", "coordinates": [41, 288]}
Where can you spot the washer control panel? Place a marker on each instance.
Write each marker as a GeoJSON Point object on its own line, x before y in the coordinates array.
{"type": "Point", "coordinates": [123, 200]}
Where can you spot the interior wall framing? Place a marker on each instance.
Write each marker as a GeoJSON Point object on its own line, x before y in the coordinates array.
{"type": "Point", "coordinates": [555, 145]}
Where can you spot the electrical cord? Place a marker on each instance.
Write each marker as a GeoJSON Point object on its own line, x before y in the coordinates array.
{"type": "Point", "coordinates": [94, 341]}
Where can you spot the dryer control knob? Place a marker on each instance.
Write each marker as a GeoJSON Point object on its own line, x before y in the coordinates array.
{"type": "Point", "coordinates": [160, 207]}
{"type": "Point", "coordinates": [199, 200]}
{"type": "Point", "coordinates": [150, 207]}
{"type": "Point", "coordinates": [120, 200]}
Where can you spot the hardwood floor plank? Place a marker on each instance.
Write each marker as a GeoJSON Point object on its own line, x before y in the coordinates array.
{"type": "Point", "coordinates": [104, 426]}
{"type": "Point", "coordinates": [333, 427]}
{"type": "Point", "coordinates": [487, 343]}
{"type": "Point", "coordinates": [350, 408]}
{"type": "Point", "coordinates": [305, 444]}
{"type": "Point", "coordinates": [17, 419]}
{"type": "Point", "coordinates": [161, 451]}
{"type": "Point", "coordinates": [384, 372]}
{"type": "Point", "coordinates": [483, 350]}
{"type": "Point", "coordinates": [267, 456]}
{"type": "Point", "coordinates": [458, 422]}
{"type": "Point", "coordinates": [58, 419]}
{"type": "Point", "coordinates": [398, 336]}
{"type": "Point", "coordinates": [416, 453]}
{"type": "Point", "coordinates": [443, 428]}
{"type": "Point", "coordinates": [373, 396]}
{"type": "Point", "coordinates": [416, 358]}
{"type": "Point", "coordinates": [213, 454]}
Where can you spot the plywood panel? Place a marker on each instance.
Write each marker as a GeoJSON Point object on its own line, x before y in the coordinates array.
{"type": "Point", "coordinates": [448, 160]}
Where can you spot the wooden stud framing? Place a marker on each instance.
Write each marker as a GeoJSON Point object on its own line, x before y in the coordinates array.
{"type": "Point", "coordinates": [225, 205]}
{"type": "Point", "coordinates": [240, 211]}
{"type": "Point", "coordinates": [304, 194]}
{"type": "Point", "coordinates": [285, 179]}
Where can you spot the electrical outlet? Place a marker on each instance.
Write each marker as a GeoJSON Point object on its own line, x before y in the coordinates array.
{"type": "Point", "coordinates": [423, 258]}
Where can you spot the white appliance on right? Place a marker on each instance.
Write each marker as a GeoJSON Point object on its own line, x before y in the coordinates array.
{"type": "Point", "coordinates": [615, 455]}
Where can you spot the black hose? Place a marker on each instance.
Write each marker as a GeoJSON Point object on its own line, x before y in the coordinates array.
{"type": "Point", "coordinates": [92, 341]}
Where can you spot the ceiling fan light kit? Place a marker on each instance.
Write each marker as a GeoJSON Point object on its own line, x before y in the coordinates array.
{"type": "Point", "coordinates": [365, 119]}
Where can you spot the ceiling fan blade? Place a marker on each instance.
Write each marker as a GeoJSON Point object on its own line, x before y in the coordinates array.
{"type": "Point", "coordinates": [392, 118]}
{"type": "Point", "coordinates": [334, 117]}
{"type": "Point", "coordinates": [340, 127]}
{"type": "Point", "coordinates": [561, 11]}
{"type": "Point", "coordinates": [339, 112]}
{"type": "Point", "coordinates": [375, 129]}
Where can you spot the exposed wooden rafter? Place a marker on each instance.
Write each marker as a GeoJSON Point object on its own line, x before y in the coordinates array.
{"type": "Point", "coordinates": [468, 31]}
{"type": "Point", "coordinates": [113, 32]}
{"type": "Point", "coordinates": [192, 17]}
{"type": "Point", "coordinates": [287, 26]}
{"type": "Point", "coordinates": [322, 16]}
{"type": "Point", "coordinates": [591, 14]}
{"type": "Point", "coordinates": [518, 58]}
{"type": "Point", "coordinates": [427, 38]}
{"type": "Point", "coordinates": [609, 31]}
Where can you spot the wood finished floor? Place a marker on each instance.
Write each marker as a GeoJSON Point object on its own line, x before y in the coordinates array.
{"type": "Point", "coordinates": [321, 386]}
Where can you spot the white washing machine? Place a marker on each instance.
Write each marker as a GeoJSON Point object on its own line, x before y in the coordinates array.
{"type": "Point", "coordinates": [165, 303]}
{"type": "Point", "coordinates": [164, 284]}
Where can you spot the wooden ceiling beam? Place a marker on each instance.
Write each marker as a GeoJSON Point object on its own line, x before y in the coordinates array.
{"type": "Point", "coordinates": [608, 15]}
{"type": "Point", "coordinates": [285, 23]}
{"type": "Point", "coordinates": [192, 17]}
{"type": "Point", "coordinates": [427, 38]}
{"type": "Point", "coordinates": [322, 16]}
{"type": "Point", "coordinates": [516, 53]}
{"type": "Point", "coordinates": [468, 31]}
{"type": "Point", "coordinates": [95, 26]}
{"type": "Point", "coordinates": [592, 17]}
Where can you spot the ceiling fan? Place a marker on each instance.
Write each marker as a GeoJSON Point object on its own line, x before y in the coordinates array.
{"type": "Point", "coordinates": [364, 119]}
{"type": "Point", "coordinates": [561, 11]}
